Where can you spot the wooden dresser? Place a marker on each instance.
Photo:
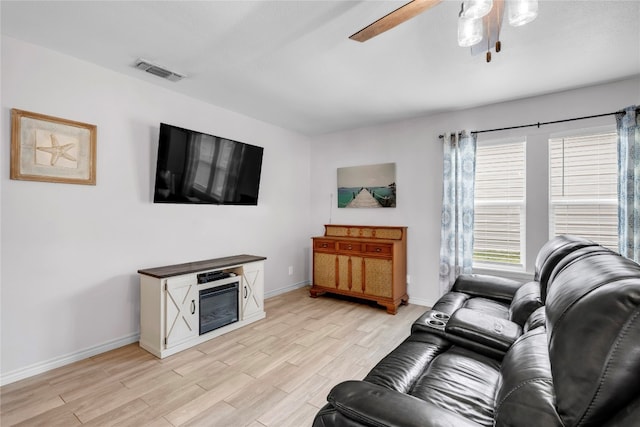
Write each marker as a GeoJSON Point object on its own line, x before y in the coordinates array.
{"type": "Point", "coordinates": [368, 262]}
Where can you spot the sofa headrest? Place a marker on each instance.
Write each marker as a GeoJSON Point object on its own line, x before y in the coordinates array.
{"type": "Point", "coordinates": [568, 259]}
{"type": "Point", "coordinates": [593, 325]}
{"type": "Point", "coordinates": [552, 252]}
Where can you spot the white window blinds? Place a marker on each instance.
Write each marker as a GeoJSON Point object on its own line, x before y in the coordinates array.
{"type": "Point", "coordinates": [499, 204]}
{"type": "Point", "coordinates": [583, 198]}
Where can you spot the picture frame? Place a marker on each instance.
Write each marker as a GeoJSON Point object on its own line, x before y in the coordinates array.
{"type": "Point", "coordinates": [52, 149]}
{"type": "Point", "coordinates": [367, 186]}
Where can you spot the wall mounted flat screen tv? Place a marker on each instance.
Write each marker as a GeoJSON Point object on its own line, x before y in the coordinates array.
{"type": "Point", "coordinates": [194, 167]}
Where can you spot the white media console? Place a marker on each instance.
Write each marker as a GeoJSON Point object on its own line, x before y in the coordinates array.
{"type": "Point", "coordinates": [186, 304]}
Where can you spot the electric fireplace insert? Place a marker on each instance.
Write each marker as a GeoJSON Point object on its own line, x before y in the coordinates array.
{"type": "Point", "coordinates": [218, 306]}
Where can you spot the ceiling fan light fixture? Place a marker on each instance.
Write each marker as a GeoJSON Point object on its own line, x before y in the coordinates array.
{"type": "Point", "coordinates": [475, 9]}
{"type": "Point", "coordinates": [469, 31]}
{"type": "Point", "coordinates": [521, 12]}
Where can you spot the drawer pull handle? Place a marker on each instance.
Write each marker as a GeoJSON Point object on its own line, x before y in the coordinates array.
{"type": "Point", "coordinates": [324, 245]}
{"type": "Point", "coordinates": [378, 249]}
{"type": "Point", "coordinates": [349, 247]}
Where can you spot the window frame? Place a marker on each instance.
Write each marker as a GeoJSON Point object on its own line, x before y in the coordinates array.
{"type": "Point", "coordinates": [521, 205]}
{"type": "Point", "coordinates": [576, 133]}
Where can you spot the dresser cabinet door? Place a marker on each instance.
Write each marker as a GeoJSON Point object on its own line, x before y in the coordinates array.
{"type": "Point", "coordinates": [324, 270]}
{"type": "Point", "coordinates": [378, 275]}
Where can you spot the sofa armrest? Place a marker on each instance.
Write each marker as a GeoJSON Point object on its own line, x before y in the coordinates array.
{"type": "Point", "coordinates": [369, 404]}
{"type": "Point", "coordinates": [483, 329]}
{"type": "Point", "coordinates": [484, 285]}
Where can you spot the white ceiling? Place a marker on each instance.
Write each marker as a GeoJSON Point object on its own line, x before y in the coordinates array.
{"type": "Point", "coordinates": [290, 63]}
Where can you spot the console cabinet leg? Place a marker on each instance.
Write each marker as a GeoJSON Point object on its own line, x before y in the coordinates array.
{"type": "Point", "coordinates": [392, 308]}
{"type": "Point", "coordinates": [314, 293]}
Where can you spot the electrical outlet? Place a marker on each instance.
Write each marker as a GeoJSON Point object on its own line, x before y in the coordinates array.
{"type": "Point", "coordinates": [290, 270]}
{"type": "Point", "coordinates": [408, 279]}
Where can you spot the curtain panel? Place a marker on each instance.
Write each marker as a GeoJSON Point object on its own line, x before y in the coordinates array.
{"type": "Point", "coordinates": [456, 235]}
{"type": "Point", "coordinates": [628, 128]}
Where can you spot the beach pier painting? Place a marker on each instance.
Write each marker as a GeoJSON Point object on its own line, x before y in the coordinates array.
{"type": "Point", "coordinates": [370, 186]}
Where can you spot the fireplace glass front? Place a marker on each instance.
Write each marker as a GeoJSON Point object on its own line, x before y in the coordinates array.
{"type": "Point", "coordinates": [218, 307]}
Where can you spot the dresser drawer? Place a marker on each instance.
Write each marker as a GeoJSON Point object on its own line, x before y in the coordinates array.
{"type": "Point", "coordinates": [324, 245]}
{"type": "Point", "coordinates": [349, 247]}
{"type": "Point", "coordinates": [378, 248]}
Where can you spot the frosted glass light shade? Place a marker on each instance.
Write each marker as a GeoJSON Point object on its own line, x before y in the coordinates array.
{"type": "Point", "coordinates": [522, 12]}
{"type": "Point", "coordinates": [476, 8]}
{"type": "Point", "coordinates": [469, 31]}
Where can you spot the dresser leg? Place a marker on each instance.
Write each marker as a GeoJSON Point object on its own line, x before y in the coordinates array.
{"type": "Point", "coordinates": [392, 308]}
{"type": "Point", "coordinates": [314, 293]}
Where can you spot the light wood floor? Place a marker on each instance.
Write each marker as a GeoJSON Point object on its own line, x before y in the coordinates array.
{"type": "Point", "coordinates": [275, 372]}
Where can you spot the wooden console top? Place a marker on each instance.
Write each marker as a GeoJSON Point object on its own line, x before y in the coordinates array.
{"type": "Point", "coordinates": [191, 267]}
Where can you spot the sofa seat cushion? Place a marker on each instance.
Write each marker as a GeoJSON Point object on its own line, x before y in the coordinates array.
{"type": "Point", "coordinates": [462, 382]}
{"type": "Point", "coordinates": [400, 369]}
{"type": "Point", "coordinates": [452, 378]}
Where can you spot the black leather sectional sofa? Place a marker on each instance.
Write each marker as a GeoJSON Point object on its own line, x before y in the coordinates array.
{"type": "Point", "coordinates": [562, 350]}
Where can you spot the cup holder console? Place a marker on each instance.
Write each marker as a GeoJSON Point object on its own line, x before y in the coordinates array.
{"type": "Point", "coordinates": [436, 323]}
{"type": "Point", "coordinates": [436, 319]}
{"type": "Point", "coordinates": [440, 315]}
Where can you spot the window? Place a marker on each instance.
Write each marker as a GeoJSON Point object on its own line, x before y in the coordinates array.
{"type": "Point", "coordinates": [499, 205]}
{"type": "Point", "coordinates": [583, 196]}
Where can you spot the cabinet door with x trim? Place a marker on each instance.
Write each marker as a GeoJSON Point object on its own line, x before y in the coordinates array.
{"type": "Point", "coordinates": [181, 310]}
{"type": "Point", "coordinates": [252, 289]}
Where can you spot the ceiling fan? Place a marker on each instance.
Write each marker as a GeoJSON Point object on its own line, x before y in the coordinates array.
{"type": "Point", "coordinates": [479, 21]}
{"type": "Point", "coordinates": [397, 17]}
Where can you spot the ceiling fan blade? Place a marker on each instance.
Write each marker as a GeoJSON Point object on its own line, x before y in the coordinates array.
{"type": "Point", "coordinates": [398, 16]}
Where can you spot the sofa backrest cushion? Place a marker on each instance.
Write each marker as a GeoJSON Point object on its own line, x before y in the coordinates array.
{"type": "Point", "coordinates": [551, 253]}
{"type": "Point", "coordinates": [525, 393]}
{"type": "Point", "coordinates": [593, 327]}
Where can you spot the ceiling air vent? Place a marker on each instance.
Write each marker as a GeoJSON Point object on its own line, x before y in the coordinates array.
{"type": "Point", "coordinates": [157, 70]}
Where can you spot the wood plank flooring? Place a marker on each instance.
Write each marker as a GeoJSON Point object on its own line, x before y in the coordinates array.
{"type": "Point", "coordinates": [275, 372]}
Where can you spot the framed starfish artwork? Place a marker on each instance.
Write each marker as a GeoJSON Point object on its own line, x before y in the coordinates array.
{"type": "Point", "coordinates": [51, 149]}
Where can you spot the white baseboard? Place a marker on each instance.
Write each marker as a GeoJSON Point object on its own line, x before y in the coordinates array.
{"type": "Point", "coordinates": [420, 301]}
{"type": "Point", "coordinates": [38, 368]}
{"type": "Point", "coordinates": [289, 288]}
{"type": "Point", "coordinates": [48, 365]}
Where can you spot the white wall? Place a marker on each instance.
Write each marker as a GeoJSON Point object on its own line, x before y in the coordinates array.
{"type": "Point", "coordinates": [70, 253]}
{"type": "Point", "coordinates": [416, 149]}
